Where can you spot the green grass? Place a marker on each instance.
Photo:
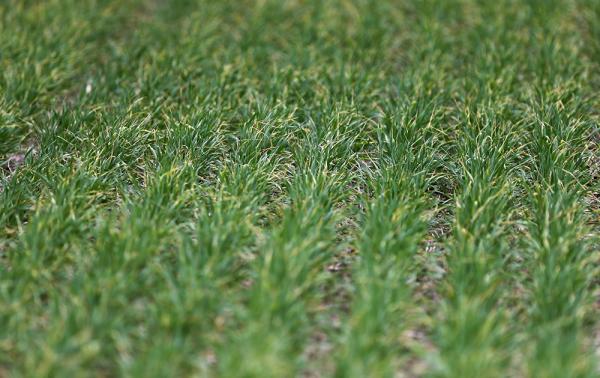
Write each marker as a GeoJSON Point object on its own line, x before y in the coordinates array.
{"type": "Point", "coordinates": [273, 188]}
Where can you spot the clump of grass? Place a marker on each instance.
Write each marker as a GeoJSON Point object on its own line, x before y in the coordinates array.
{"type": "Point", "coordinates": [393, 227]}
{"type": "Point", "coordinates": [473, 319]}
{"type": "Point", "coordinates": [558, 247]}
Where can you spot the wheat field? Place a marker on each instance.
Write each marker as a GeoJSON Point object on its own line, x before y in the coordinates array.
{"type": "Point", "coordinates": [299, 188]}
